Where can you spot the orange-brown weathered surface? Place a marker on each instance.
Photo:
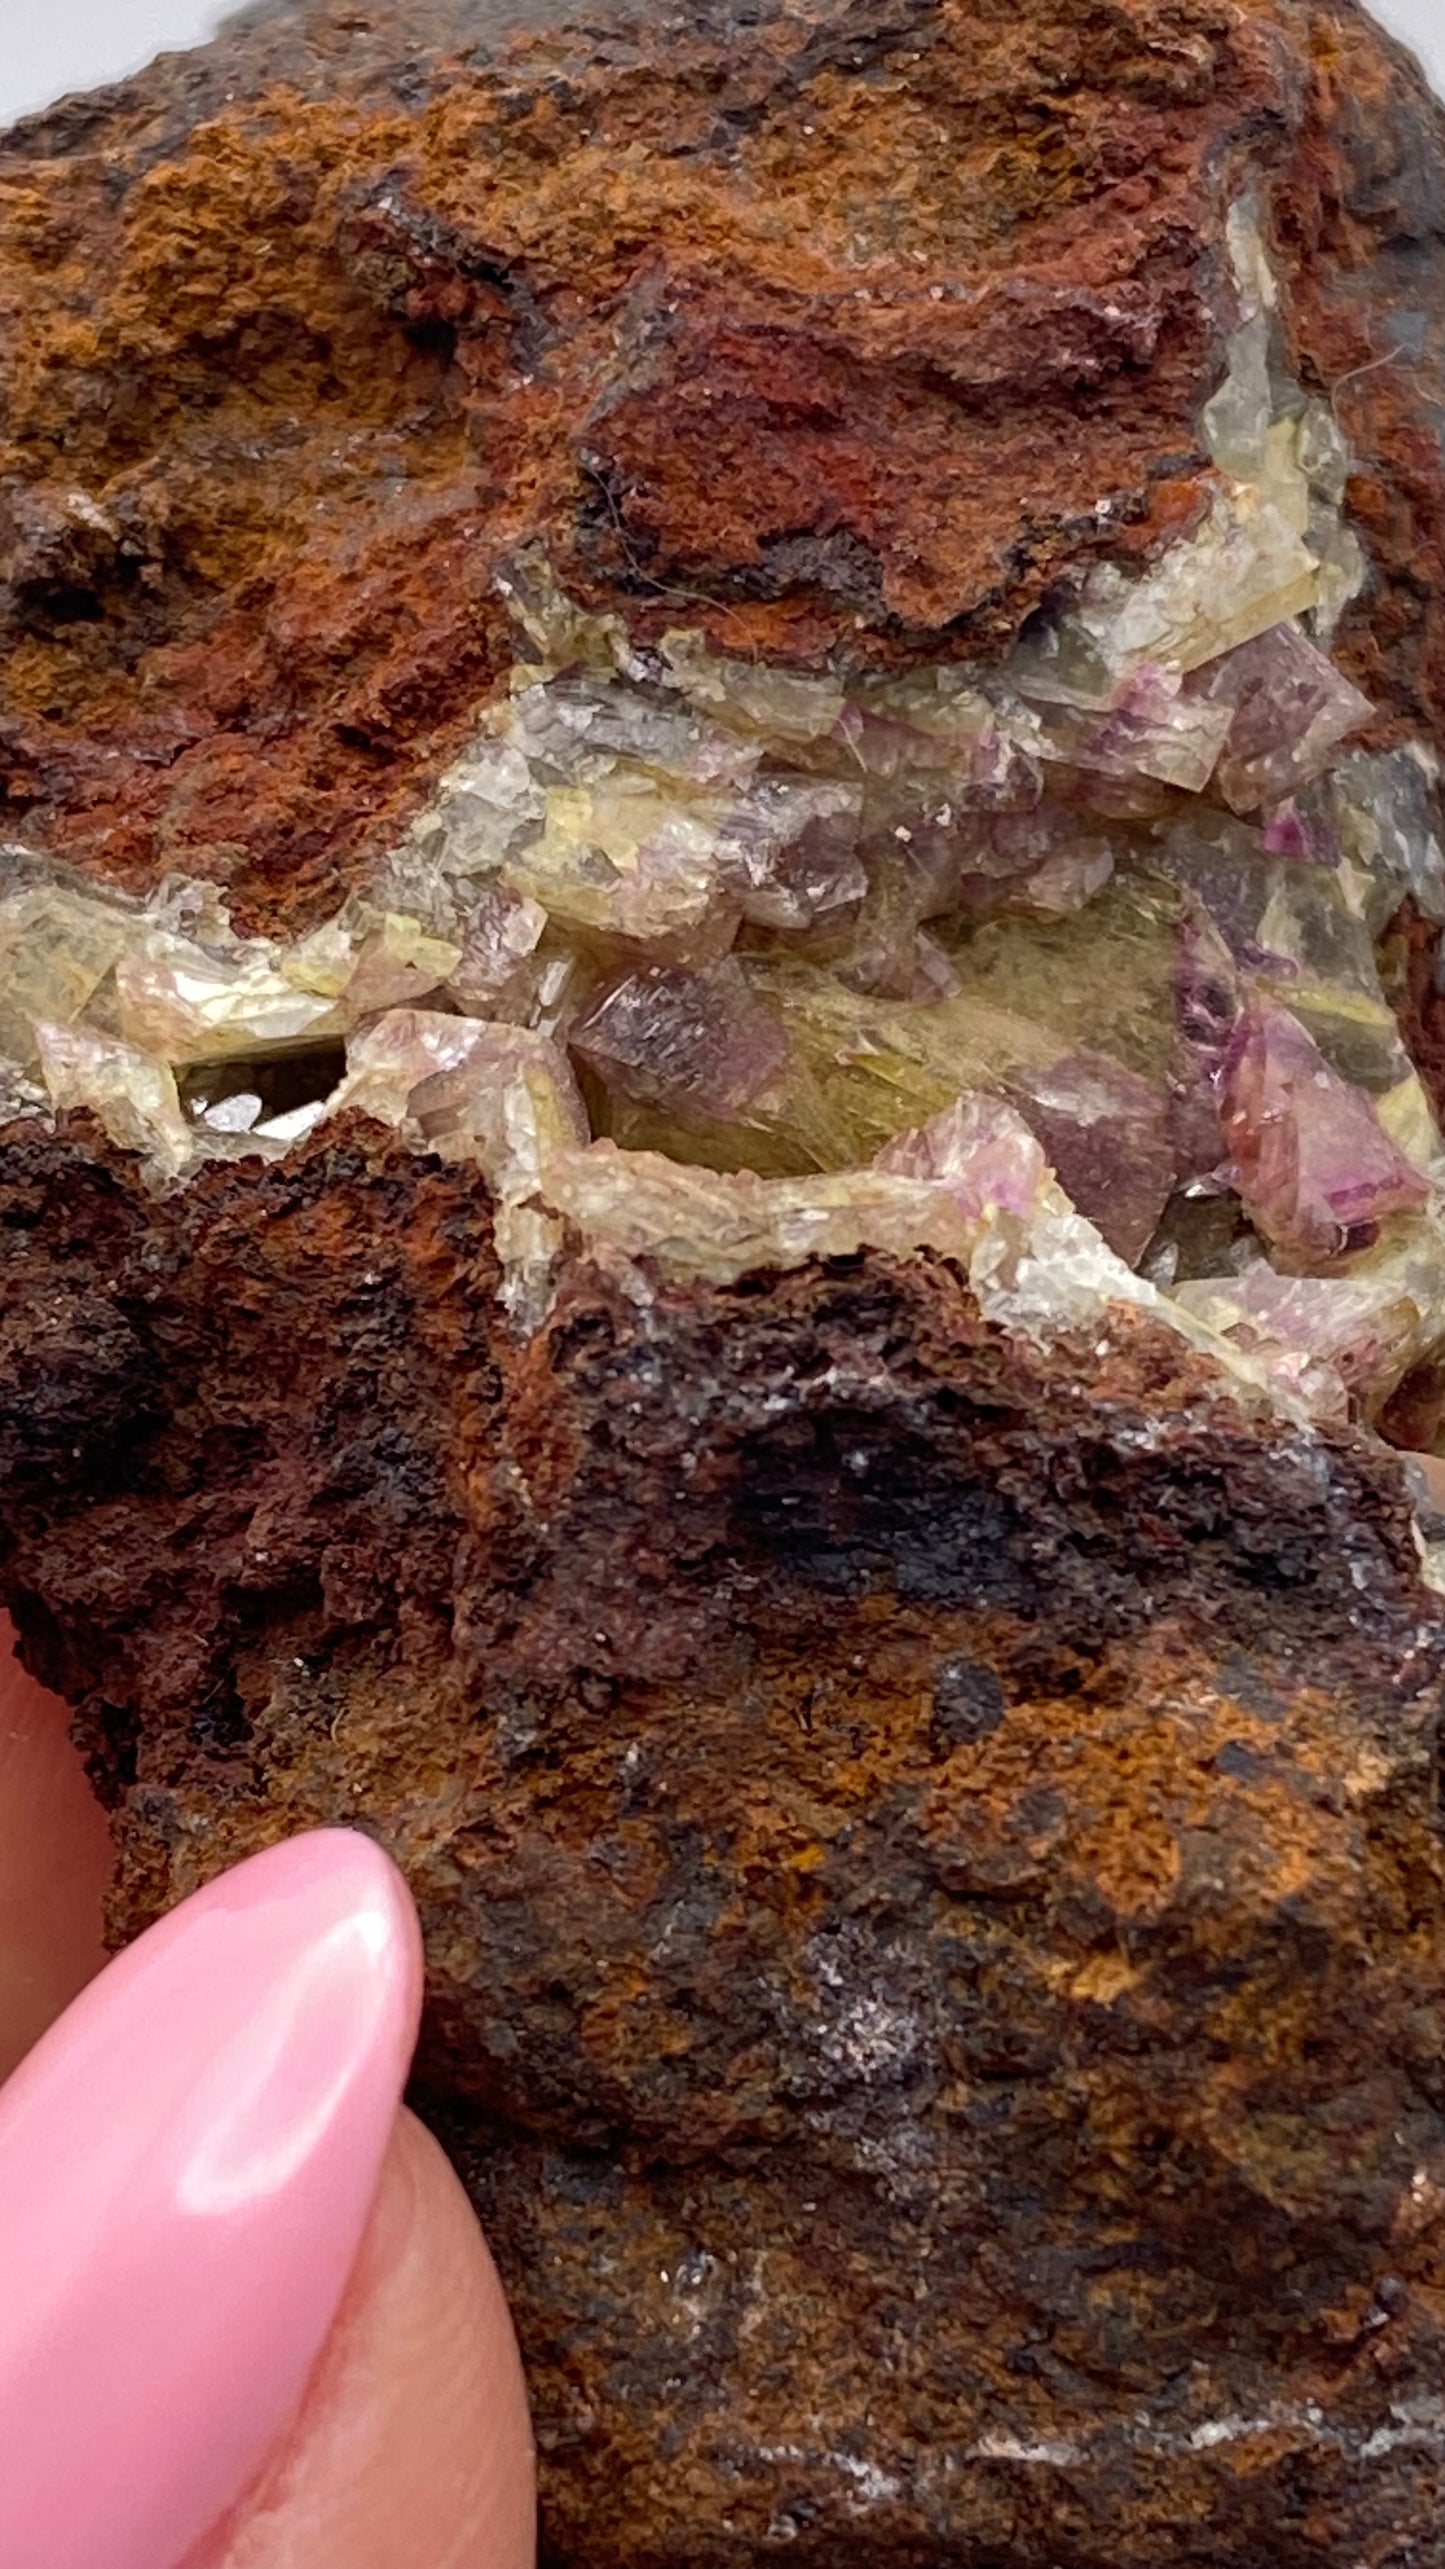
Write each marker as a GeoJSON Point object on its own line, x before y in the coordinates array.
{"type": "Point", "coordinates": [929, 1844]}
{"type": "Point", "coordinates": [837, 329]}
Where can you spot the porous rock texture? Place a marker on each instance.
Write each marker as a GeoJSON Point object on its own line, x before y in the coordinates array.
{"type": "Point", "coordinates": [928, 1841]}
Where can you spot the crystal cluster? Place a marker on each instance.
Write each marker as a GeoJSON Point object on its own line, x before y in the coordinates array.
{"type": "Point", "coordinates": [1067, 968]}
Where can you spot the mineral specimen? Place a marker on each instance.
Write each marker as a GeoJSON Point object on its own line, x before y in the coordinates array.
{"type": "Point", "coordinates": [720, 1029]}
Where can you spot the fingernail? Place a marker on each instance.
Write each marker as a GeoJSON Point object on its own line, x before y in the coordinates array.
{"type": "Point", "coordinates": [187, 2161]}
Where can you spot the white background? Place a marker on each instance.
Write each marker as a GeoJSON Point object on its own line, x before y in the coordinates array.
{"type": "Point", "coordinates": [49, 46]}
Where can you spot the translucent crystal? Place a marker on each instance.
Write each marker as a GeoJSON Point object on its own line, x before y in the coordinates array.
{"type": "Point", "coordinates": [1289, 710]}
{"type": "Point", "coordinates": [1317, 1171]}
{"type": "Point", "coordinates": [1237, 420]}
{"type": "Point", "coordinates": [696, 1043]}
{"type": "Point", "coordinates": [781, 705]}
{"type": "Point", "coordinates": [1247, 568]}
{"type": "Point", "coordinates": [497, 1094]}
{"type": "Point", "coordinates": [564, 635]}
{"type": "Point", "coordinates": [58, 948]}
{"type": "Point", "coordinates": [1049, 861]}
{"type": "Point", "coordinates": [941, 726]}
{"type": "Point", "coordinates": [912, 871]}
{"type": "Point", "coordinates": [323, 962]}
{"type": "Point", "coordinates": [1153, 728]}
{"type": "Point", "coordinates": [398, 964]}
{"type": "Point", "coordinates": [581, 730]}
{"type": "Point", "coordinates": [133, 1096]}
{"type": "Point", "coordinates": [790, 849]}
{"type": "Point", "coordinates": [1304, 933]}
{"type": "Point", "coordinates": [1343, 569]}
{"type": "Point", "coordinates": [1322, 454]}
{"type": "Point", "coordinates": [1385, 810]}
{"type": "Point", "coordinates": [183, 1004]}
{"type": "Point", "coordinates": [1109, 1137]}
{"type": "Point", "coordinates": [620, 859]}
{"type": "Point", "coordinates": [498, 973]}
{"type": "Point", "coordinates": [981, 1150]}
{"type": "Point", "coordinates": [697, 1223]}
{"type": "Point", "coordinates": [1063, 883]}
{"type": "Point", "coordinates": [1340, 1342]}
{"type": "Point", "coordinates": [364, 962]}
{"type": "Point", "coordinates": [487, 805]}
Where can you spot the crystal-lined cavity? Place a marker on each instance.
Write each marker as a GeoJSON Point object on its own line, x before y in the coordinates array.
{"type": "Point", "coordinates": [1066, 967]}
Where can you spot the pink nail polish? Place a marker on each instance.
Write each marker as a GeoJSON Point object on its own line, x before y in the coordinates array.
{"type": "Point", "coordinates": [187, 2161]}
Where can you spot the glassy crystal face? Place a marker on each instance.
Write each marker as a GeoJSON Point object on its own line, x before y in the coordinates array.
{"type": "Point", "coordinates": [1067, 968]}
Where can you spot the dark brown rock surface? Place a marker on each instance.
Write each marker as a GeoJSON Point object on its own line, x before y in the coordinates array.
{"type": "Point", "coordinates": [929, 1855]}
{"type": "Point", "coordinates": [928, 1844]}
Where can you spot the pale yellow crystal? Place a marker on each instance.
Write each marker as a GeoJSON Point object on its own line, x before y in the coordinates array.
{"type": "Point", "coordinates": [622, 859]}
{"type": "Point", "coordinates": [1409, 1119]}
{"type": "Point", "coordinates": [390, 963]}
{"type": "Point", "coordinates": [497, 1094]}
{"type": "Point", "coordinates": [187, 1005]}
{"type": "Point", "coordinates": [563, 634]}
{"type": "Point", "coordinates": [1247, 568]}
{"type": "Point", "coordinates": [132, 1094]}
{"type": "Point", "coordinates": [782, 704]}
{"type": "Point", "coordinates": [58, 948]}
{"type": "Point", "coordinates": [697, 1223]}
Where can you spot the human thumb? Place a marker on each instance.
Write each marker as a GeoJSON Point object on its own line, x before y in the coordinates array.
{"type": "Point", "coordinates": [247, 2319]}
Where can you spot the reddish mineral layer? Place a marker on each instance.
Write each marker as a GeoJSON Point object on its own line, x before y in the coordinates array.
{"type": "Point", "coordinates": [720, 1014]}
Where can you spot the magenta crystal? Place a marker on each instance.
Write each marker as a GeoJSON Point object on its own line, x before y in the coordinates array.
{"type": "Point", "coordinates": [1316, 1170]}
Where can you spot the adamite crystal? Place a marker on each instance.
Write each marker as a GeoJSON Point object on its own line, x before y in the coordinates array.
{"type": "Point", "coordinates": [718, 948]}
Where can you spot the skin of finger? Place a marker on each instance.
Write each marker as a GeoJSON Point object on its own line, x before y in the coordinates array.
{"type": "Point", "coordinates": [55, 1859]}
{"type": "Point", "coordinates": [412, 2449]}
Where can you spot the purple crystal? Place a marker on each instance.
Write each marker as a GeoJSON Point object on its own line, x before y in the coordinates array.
{"type": "Point", "coordinates": [980, 1149]}
{"type": "Point", "coordinates": [913, 875]}
{"type": "Point", "coordinates": [1316, 1170]}
{"type": "Point", "coordinates": [497, 975]}
{"type": "Point", "coordinates": [791, 850]}
{"type": "Point", "coordinates": [940, 861]}
{"type": "Point", "coordinates": [1109, 1136]}
{"type": "Point", "coordinates": [1290, 710]}
{"type": "Point", "coordinates": [1304, 830]}
{"type": "Point", "coordinates": [1155, 728]}
{"type": "Point", "coordinates": [695, 1043]}
{"type": "Point", "coordinates": [982, 766]}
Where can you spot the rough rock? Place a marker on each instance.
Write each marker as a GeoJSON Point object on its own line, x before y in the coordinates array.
{"type": "Point", "coordinates": [928, 1836]}
{"type": "Point", "coordinates": [865, 323]}
{"type": "Point", "coordinates": [929, 1855]}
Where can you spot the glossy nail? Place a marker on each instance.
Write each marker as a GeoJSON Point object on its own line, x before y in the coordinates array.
{"type": "Point", "coordinates": [187, 2161]}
